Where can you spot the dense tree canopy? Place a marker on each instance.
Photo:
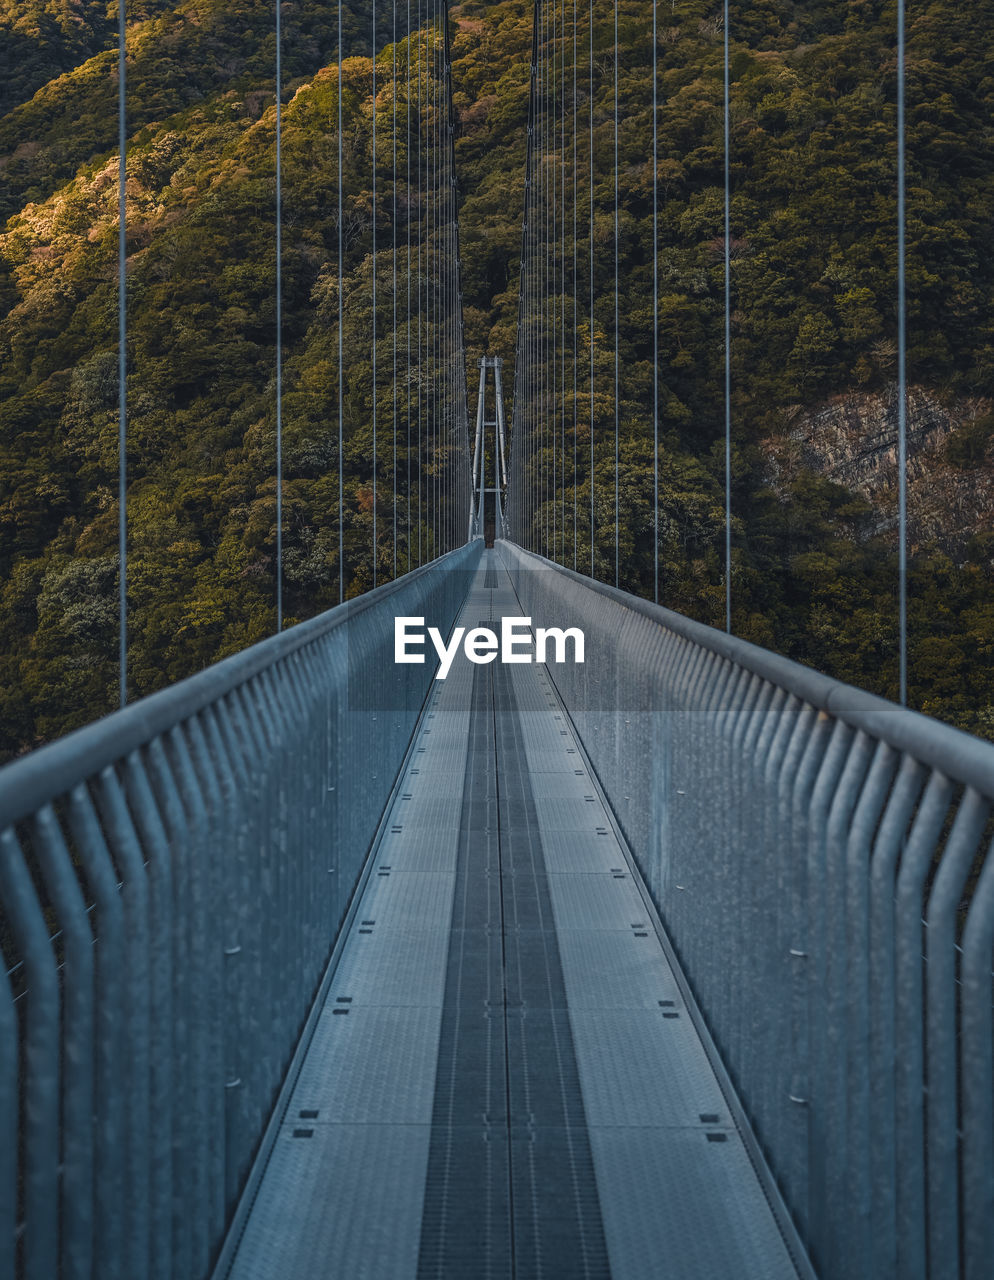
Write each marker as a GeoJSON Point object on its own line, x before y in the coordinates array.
{"type": "Point", "coordinates": [814, 261]}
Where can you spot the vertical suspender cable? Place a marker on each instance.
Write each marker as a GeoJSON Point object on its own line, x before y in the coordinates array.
{"type": "Point", "coordinates": [423, 209]}
{"type": "Point", "coordinates": [445, 298]}
{"type": "Point", "coordinates": [902, 385]}
{"type": "Point", "coordinates": [436, 291]}
{"type": "Point", "coordinates": [617, 361]}
{"type": "Point", "coordinates": [548, 330]}
{"type": "Point", "coordinates": [420, 468]}
{"type": "Point", "coordinates": [439, 297]}
{"type": "Point", "coordinates": [575, 341]}
{"type": "Point", "coordinates": [538, 191]}
{"type": "Point", "coordinates": [535, 308]}
{"type": "Point", "coordinates": [433, 284]}
{"type": "Point", "coordinates": [375, 327]}
{"type": "Point", "coordinates": [543, 268]}
{"type": "Point", "coordinates": [539, 292]}
{"type": "Point", "coordinates": [424, 275]}
{"type": "Point", "coordinates": [590, 104]}
{"type": "Point", "coordinates": [536, 187]}
{"type": "Point", "coordinates": [554, 283]}
{"type": "Point", "coordinates": [407, 275]}
{"type": "Point", "coordinates": [527, 419]}
{"type": "Point", "coordinates": [533, 313]}
{"type": "Point", "coordinates": [429, 313]}
{"type": "Point", "coordinates": [122, 355]}
{"type": "Point", "coordinates": [341, 321]}
{"type": "Point", "coordinates": [437, 294]}
{"type": "Point", "coordinates": [521, 409]}
{"type": "Point", "coordinates": [393, 231]}
{"type": "Point", "coordinates": [279, 316]}
{"type": "Point", "coordinates": [728, 339]}
{"type": "Point", "coordinates": [655, 314]}
{"type": "Point", "coordinates": [562, 278]}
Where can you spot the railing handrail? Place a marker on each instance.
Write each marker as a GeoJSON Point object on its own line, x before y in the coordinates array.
{"type": "Point", "coordinates": [961, 755]}
{"type": "Point", "coordinates": [29, 781]}
{"type": "Point", "coordinates": [218, 830]}
{"type": "Point", "coordinates": [828, 885]}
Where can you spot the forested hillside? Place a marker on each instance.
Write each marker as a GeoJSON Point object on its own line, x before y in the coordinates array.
{"type": "Point", "coordinates": [814, 326]}
{"type": "Point", "coordinates": [201, 351]}
{"type": "Point", "coordinates": [814, 261]}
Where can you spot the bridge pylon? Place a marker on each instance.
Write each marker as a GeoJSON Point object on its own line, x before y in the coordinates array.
{"type": "Point", "coordinates": [481, 527]}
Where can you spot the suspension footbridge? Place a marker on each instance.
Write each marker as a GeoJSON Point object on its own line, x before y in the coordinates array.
{"type": "Point", "coordinates": [674, 961]}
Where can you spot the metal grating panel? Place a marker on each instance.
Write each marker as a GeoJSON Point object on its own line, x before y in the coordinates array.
{"type": "Point", "coordinates": [411, 899]}
{"type": "Point", "coordinates": [558, 814]}
{"type": "Point", "coordinates": [398, 967]}
{"type": "Point", "coordinates": [582, 852]}
{"type": "Point", "coordinates": [639, 1068]}
{"type": "Point", "coordinates": [601, 902]}
{"type": "Point", "coordinates": [610, 970]}
{"type": "Point", "coordinates": [372, 1065]}
{"type": "Point", "coordinates": [564, 785]}
{"type": "Point", "coordinates": [426, 810]}
{"type": "Point", "coordinates": [346, 1202]}
{"type": "Point", "coordinates": [685, 1208]}
{"type": "Point", "coordinates": [419, 849]}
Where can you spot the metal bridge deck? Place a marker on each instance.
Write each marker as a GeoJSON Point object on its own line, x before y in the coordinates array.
{"type": "Point", "coordinates": [505, 1079]}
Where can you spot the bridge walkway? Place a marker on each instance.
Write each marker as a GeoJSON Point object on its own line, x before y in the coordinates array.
{"type": "Point", "coordinates": [505, 1078]}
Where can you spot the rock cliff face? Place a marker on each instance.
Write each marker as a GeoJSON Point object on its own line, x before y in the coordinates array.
{"type": "Point", "coordinates": [852, 440]}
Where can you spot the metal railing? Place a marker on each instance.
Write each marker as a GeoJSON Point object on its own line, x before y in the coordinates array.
{"type": "Point", "coordinates": [172, 879]}
{"type": "Point", "coordinates": [821, 859]}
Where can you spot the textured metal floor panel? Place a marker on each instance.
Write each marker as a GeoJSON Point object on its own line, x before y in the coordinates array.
{"type": "Point", "coordinates": [685, 1208]}
{"type": "Point", "coordinates": [567, 784]}
{"type": "Point", "coordinates": [425, 809]}
{"type": "Point", "coordinates": [563, 758]}
{"type": "Point", "coordinates": [539, 735]}
{"type": "Point", "coordinates": [606, 969]}
{"type": "Point", "coordinates": [370, 1066]}
{"type": "Point", "coordinates": [600, 902]}
{"type": "Point", "coordinates": [640, 1068]}
{"type": "Point", "coordinates": [404, 967]}
{"type": "Point", "coordinates": [436, 757]}
{"type": "Point", "coordinates": [442, 736]}
{"type": "Point", "coordinates": [343, 1204]}
{"type": "Point", "coordinates": [408, 899]}
{"type": "Point", "coordinates": [583, 852]}
{"type": "Point", "coordinates": [421, 849]}
{"type": "Point", "coordinates": [577, 814]}
{"type": "Point", "coordinates": [440, 782]}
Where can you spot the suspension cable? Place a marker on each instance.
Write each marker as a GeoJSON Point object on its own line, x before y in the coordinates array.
{"type": "Point", "coordinates": [591, 256]}
{"type": "Point", "coordinates": [562, 278]}
{"type": "Point", "coordinates": [122, 355]}
{"type": "Point", "coordinates": [575, 330]}
{"type": "Point", "coordinates": [341, 319]}
{"type": "Point", "coordinates": [617, 358]}
{"type": "Point", "coordinates": [554, 288]}
{"type": "Point", "coordinates": [726, 114]}
{"type": "Point", "coordinates": [420, 455]}
{"type": "Point", "coordinates": [374, 333]}
{"type": "Point", "coordinates": [655, 311]}
{"type": "Point", "coordinates": [407, 275]}
{"type": "Point", "coordinates": [393, 235]}
{"type": "Point", "coordinates": [279, 317]}
{"type": "Point", "coordinates": [902, 380]}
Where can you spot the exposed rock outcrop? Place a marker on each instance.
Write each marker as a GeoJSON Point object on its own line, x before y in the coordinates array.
{"type": "Point", "coordinates": [852, 440]}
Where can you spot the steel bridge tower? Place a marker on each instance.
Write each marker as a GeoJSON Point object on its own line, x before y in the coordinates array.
{"type": "Point", "coordinates": [481, 529]}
